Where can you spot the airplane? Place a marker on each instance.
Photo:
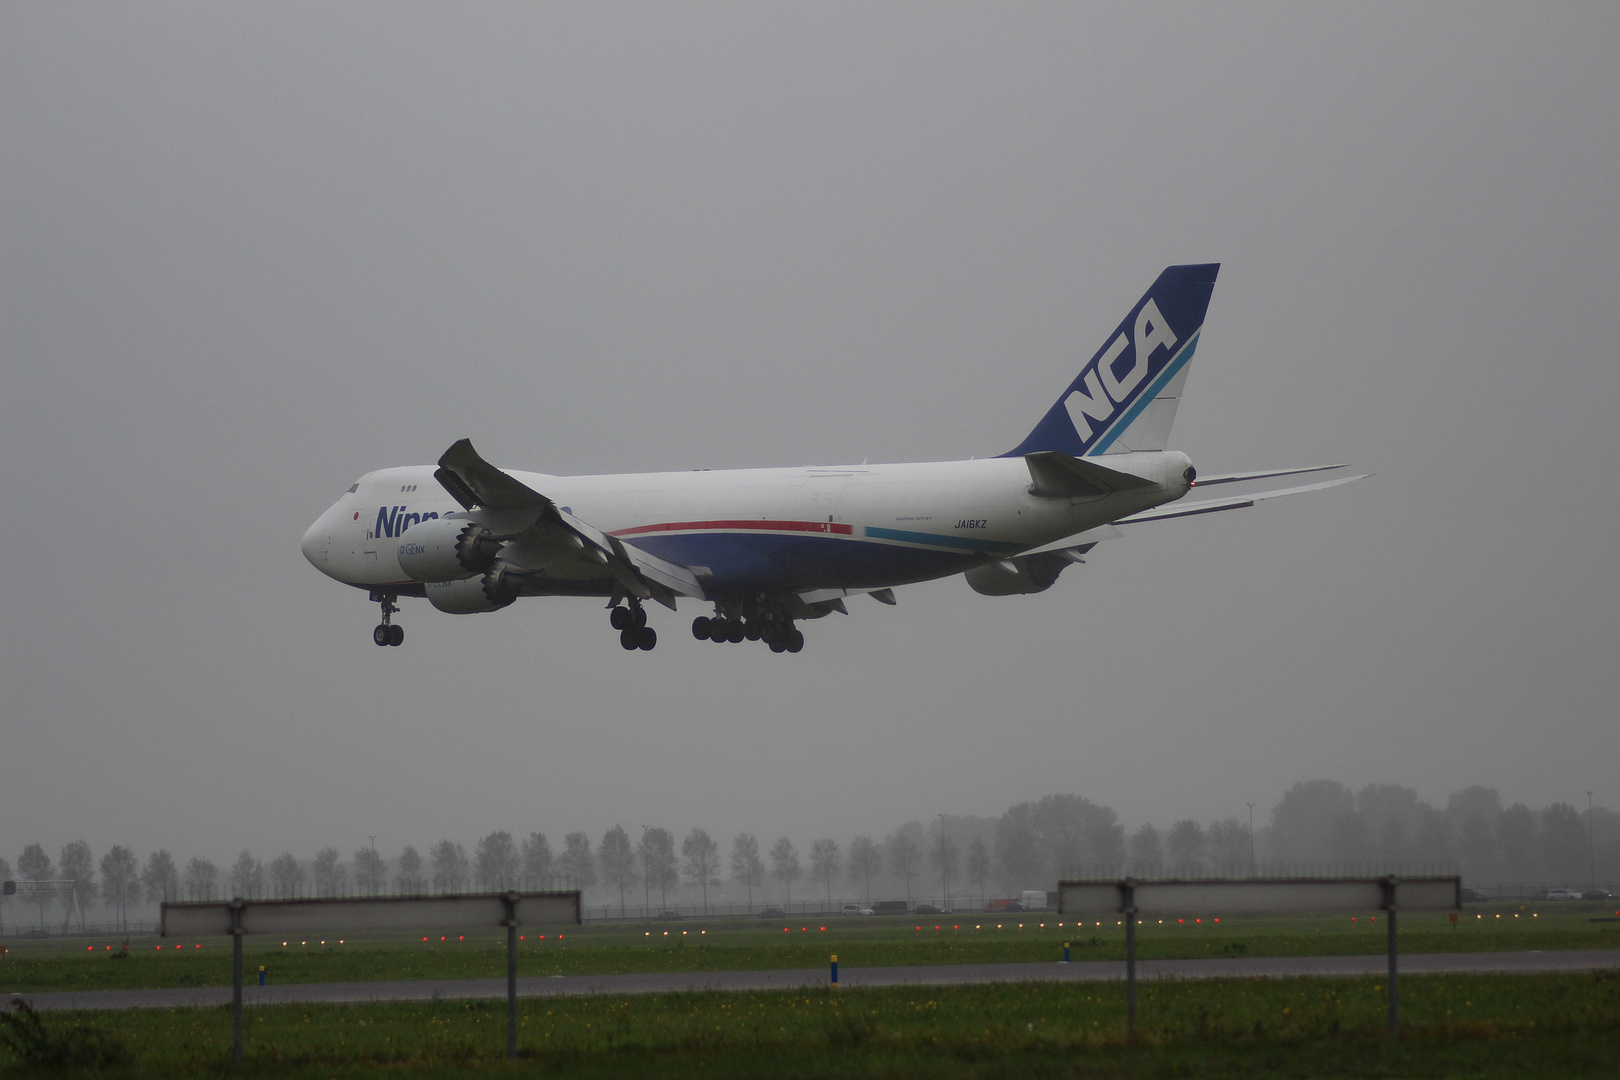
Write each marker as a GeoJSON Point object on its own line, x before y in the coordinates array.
{"type": "Point", "coordinates": [767, 548]}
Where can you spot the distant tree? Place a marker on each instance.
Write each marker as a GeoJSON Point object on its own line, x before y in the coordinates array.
{"type": "Point", "coordinates": [201, 878]}
{"type": "Point", "coordinates": [247, 875]}
{"type": "Point", "coordinates": [942, 859]}
{"type": "Point", "coordinates": [1018, 852]}
{"type": "Point", "coordinates": [1516, 833]}
{"type": "Point", "coordinates": [864, 861]}
{"type": "Point", "coordinates": [1563, 845]}
{"type": "Point", "coordinates": [657, 851]}
{"type": "Point", "coordinates": [5, 901]}
{"type": "Point", "coordinates": [746, 865]}
{"type": "Point", "coordinates": [785, 864]}
{"type": "Point", "coordinates": [330, 873]}
{"type": "Point", "coordinates": [497, 859]}
{"type": "Point", "coordinates": [1348, 841]}
{"type": "Point", "coordinates": [78, 866]}
{"type": "Point", "coordinates": [577, 863]}
{"type": "Point", "coordinates": [617, 856]}
{"type": "Point", "coordinates": [409, 879]}
{"type": "Point", "coordinates": [1477, 847]}
{"type": "Point", "coordinates": [160, 877]}
{"type": "Point", "coordinates": [1186, 845]}
{"type": "Point", "coordinates": [978, 863]}
{"type": "Point", "coordinates": [120, 881]}
{"type": "Point", "coordinates": [1228, 848]}
{"type": "Point", "coordinates": [536, 861]}
{"type": "Point", "coordinates": [370, 871]}
{"type": "Point", "coordinates": [1434, 845]}
{"type": "Point", "coordinates": [34, 865]}
{"type": "Point", "coordinates": [286, 876]}
{"type": "Point", "coordinates": [1394, 845]}
{"type": "Point", "coordinates": [1147, 852]}
{"type": "Point", "coordinates": [904, 857]}
{"type": "Point", "coordinates": [700, 859]}
{"type": "Point", "coordinates": [1302, 822]}
{"type": "Point", "coordinates": [450, 866]}
{"type": "Point", "coordinates": [824, 862]}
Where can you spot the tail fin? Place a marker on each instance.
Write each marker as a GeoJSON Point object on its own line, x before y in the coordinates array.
{"type": "Point", "coordinates": [1125, 397]}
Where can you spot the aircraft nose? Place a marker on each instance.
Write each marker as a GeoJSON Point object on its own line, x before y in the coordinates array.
{"type": "Point", "coordinates": [316, 542]}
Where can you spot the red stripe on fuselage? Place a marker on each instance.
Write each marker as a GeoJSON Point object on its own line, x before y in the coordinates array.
{"type": "Point", "coordinates": [837, 528]}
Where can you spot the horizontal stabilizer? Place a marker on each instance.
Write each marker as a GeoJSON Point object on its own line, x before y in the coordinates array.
{"type": "Point", "coordinates": [1263, 474]}
{"type": "Point", "coordinates": [1236, 502]}
{"type": "Point", "coordinates": [1059, 475]}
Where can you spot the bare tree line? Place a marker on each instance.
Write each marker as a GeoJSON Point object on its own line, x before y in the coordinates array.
{"type": "Point", "coordinates": [1316, 825]}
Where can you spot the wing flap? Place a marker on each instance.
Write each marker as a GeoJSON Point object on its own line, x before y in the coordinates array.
{"type": "Point", "coordinates": [474, 482]}
{"type": "Point", "coordinates": [1236, 502]}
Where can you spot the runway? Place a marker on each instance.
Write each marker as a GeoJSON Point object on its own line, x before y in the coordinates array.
{"type": "Point", "coordinates": [943, 975]}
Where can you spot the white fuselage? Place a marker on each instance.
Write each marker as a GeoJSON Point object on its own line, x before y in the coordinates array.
{"type": "Point", "coordinates": [766, 530]}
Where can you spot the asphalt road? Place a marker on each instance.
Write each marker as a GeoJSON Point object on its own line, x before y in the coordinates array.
{"type": "Point", "coordinates": [942, 975]}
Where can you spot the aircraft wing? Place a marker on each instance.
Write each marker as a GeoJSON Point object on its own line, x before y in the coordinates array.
{"type": "Point", "coordinates": [475, 483]}
{"type": "Point", "coordinates": [1263, 474]}
{"type": "Point", "coordinates": [1236, 502]}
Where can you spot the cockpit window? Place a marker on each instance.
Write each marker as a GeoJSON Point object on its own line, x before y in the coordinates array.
{"type": "Point", "coordinates": [354, 487]}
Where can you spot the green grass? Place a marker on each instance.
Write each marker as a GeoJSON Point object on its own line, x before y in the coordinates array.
{"type": "Point", "coordinates": [1475, 1025]}
{"type": "Point", "coordinates": [696, 945]}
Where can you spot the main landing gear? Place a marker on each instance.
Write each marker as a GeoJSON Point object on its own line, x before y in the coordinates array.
{"type": "Point", "coordinates": [631, 623]}
{"type": "Point", "coordinates": [779, 633]}
{"type": "Point", "coordinates": [385, 632]}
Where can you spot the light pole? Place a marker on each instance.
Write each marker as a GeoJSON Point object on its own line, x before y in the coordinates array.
{"type": "Point", "coordinates": [646, 875]}
{"type": "Point", "coordinates": [1591, 847]}
{"type": "Point", "coordinates": [1251, 838]}
{"type": "Point", "coordinates": [944, 880]}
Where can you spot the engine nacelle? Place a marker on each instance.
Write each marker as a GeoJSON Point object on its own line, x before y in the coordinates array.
{"type": "Point", "coordinates": [469, 596]}
{"type": "Point", "coordinates": [447, 549]}
{"type": "Point", "coordinates": [1031, 574]}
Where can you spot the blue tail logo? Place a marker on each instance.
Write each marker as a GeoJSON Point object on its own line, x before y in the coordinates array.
{"type": "Point", "coordinates": [1138, 366]}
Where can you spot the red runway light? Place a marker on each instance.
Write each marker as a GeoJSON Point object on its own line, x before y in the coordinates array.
{"type": "Point", "coordinates": [196, 946]}
{"type": "Point", "coordinates": [92, 948]}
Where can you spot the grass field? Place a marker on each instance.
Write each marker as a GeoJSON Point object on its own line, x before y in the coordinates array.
{"type": "Point", "coordinates": [1474, 1025]}
{"type": "Point", "coordinates": [695, 945]}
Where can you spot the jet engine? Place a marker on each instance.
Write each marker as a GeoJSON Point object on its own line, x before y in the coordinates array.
{"type": "Point", "coordinates": [470, 596]}
{"type": "Point", "coordinates": [1029, 574]}
{"type": "Point", "coordinates": [447, 549]}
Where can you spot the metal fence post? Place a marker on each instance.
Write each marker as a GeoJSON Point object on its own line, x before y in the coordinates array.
{"type": "Point", "coordinates": [511, 899]}
{"type": "Point", "coordinates": [236, 983]}
{"type": "Point", "coordinates": [1127, 895]}
{"type": "Point", "coordinates": [1394, 1000]}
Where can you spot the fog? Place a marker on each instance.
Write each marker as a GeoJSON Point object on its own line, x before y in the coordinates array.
{"type": "Point", "coordinates": [252, 252]}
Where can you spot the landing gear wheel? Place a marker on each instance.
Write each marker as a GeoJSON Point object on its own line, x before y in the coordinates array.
{"type": "Point", "coordinates": [621, 618]}
{"type": "Point", "coordinates": [646, 638]}
{"type": "Point", "coordinates": [639, 614]}
{"type": "Point", "coordinates": [719, 631]}
{"type": "Point", "coordinates": [700, 628]}
{"type": "Point", "coordinates": [753, 633]}
{"type": "Point", "coordinates": [380, 634]}
{"type": "Point", "coordinates": [795, 641]}
{"type": "Point", "coordinates": [630, 639]}
{"type": "Point", "coordinates": [735, 631]}
{"type": "Point", "coordinates": [777, 646]}
{"type": "Point", "coordinates": [396, 635]}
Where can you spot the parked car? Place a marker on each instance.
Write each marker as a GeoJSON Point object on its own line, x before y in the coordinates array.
{"type": "Point", "coordinates": [855, 909]}
{"type": "Point", "coordinates": [1473, 896]}
{"type": "Point", "coordinates": [773, 913]}
{"type": "Point", "coordinates": [889, 907]}
{"type": "Point", "coordinates": [668, 916]}
{"type": "Point", "coordinates": [930, 909]}
{"type": "Point", "coordinates": [1557, 894]}
{"type": "Point", "coordinates": [1013, 907]}
{"type": "Point", "coordinates": [1597, 894]}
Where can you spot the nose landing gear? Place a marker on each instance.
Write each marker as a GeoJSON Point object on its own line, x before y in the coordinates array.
{"type": "Point", "coordinates": [385, 632]}
{"type": "Point", "coordinates": [631, 623]}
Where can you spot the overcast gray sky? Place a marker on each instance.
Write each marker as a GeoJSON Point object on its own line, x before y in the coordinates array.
{"type": "Point", "coordinates": [253, 251]}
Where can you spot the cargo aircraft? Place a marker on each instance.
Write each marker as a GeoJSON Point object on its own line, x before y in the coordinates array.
{"type": "Point", "coordinates": [767, 548]}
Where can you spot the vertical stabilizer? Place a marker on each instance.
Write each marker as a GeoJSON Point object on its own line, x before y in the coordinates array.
{"type": "Point", "coordinates": [1125, 397]}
